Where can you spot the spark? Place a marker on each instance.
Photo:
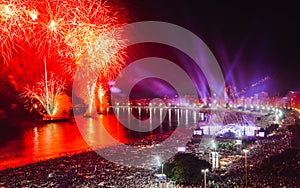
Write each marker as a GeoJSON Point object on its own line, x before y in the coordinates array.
{"type": "Point", "coordinates": [103, 100]}
{"type": "Point", "coordinates": [91, 96]}
{"type": "Point", "coordinates": [52, 25]}
{"type": "Point", "coordinates": [101, 93]}
{"type": "Point", "coordinates": [33, 14]}
{"type": "Point", "coordinates": [46, 94]}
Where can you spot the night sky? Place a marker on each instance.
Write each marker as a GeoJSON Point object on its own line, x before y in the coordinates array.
{"type": "Point", "coordinates": [250, 40]}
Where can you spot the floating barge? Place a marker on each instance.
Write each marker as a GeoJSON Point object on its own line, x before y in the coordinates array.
{"type": "Point", "coordinates": [49, 119]}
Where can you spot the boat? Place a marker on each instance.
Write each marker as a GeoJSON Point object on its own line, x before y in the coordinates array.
{"type": "Point", "coordinates": [49, 119]}
{"type": "Point", "coordinates": [87, 115]}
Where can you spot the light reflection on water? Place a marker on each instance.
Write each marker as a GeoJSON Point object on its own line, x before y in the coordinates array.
{"type": "Point", "coordinates": [29, 142]}
{"type": "Point", "coordinates": [40, 142]}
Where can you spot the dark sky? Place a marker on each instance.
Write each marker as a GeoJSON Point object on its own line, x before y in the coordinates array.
{"type": "Point", "coordinates": [251, 40]}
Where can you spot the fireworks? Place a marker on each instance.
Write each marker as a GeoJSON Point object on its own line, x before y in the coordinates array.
{"type": "Point", "coordinates": [261, 81]}
{"type": "Point", "coordinates": [101, 93]}
{"type": "Point", "coordinates": [102, 101]}
{"type": "Point", "coordinates": [11, 26]}
{"type": "Point", "coordinates": [91, 96]}
{"type": "Point", "coordinates": [46, 93]}
{"type": "Point", "coordinates": [61, 33]}
{"type": "Point", "coordinates": [66, 29]}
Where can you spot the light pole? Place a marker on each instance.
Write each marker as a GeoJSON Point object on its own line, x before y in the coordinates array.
{"type": "Point", "coordinates": [214, 145]}
{"type": "Point", "coordinates": [204, 171]}
{"type": "Point", "coordinates": [246, 171]}
{"type": "Point", "coordinates": [159, 163]}
{"type": "Point", "coordinates": [214, 157]}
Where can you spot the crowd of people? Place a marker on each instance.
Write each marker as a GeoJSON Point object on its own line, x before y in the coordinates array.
{"type": "Point", "coordinates": [260, 172]}
{"type": "Point", "coordinates": [89, 169]}
{"type": "Point", "coordinates": [80, 170]}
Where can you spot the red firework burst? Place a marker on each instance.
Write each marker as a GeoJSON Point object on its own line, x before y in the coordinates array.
{"type": "Point", "coordinates": [64, 29]}
{"type": "Point", "coordinates": [58, 33]}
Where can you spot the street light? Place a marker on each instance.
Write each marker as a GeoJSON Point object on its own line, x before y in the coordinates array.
{"type": "Point", "coordinates": [204, 171]}
{"type": "Point", "coordinates": [246, 179]}
{"type": "Point", "coordinates": [162, 176]}
{"type": "Point", "coordinates": [214, 145]}
{"type": "Point", "coordinates": [160, 163]}
{"type": "Point", "coordinates": [214, 155]}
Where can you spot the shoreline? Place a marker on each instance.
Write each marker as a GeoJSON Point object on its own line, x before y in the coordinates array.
{"type": "Point", "coordinates": [21, 163]}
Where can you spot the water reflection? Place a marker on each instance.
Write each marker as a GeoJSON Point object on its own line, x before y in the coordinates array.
{"type": "Point", "coordinates": [40, 141]}
{"type": "Point", "coordinates": [26, 142]}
